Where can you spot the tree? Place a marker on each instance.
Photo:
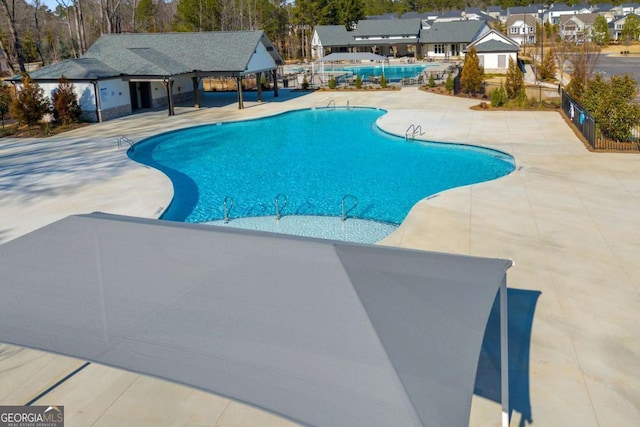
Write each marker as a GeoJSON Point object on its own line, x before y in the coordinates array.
{"type": "Point", "coordinates": [548, 67]}
{"type": "Point", "coordinates": [350, 12]}
{"type": "Point", "coordinates": [448, 84]}
{"type": "Point", "coordinates": [613, 105]}
{"type": "Point", "coordinates": [65, 103]}
{"type": "Point", "coordinates": [515, 81]}
{"type": "Point", "coordinates": [499, 96]}
{"type": "Point", "coordinates": [15, 54]}
{"type": "Point", "coordinates": [631, 28]}
{"type": "Point", "coordinates": [472, 73]}
{"type": "Point", "coordinates": [583, 63]}
{"type": "Point", "coordinates": [145, 16]}
{"type": "Point", "coordinates": [600, 31]}
{"type": "Point", "coordinates": [5, 101]}
{"type": "Point", "coordinates": [30, 104]}
{"type": "Point", "coordinates": [198, 15]}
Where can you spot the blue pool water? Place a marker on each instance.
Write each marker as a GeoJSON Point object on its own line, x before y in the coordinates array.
{"type": "Point", "coordinates": [312, 159]}
{"type": "Point", "coordinates": [391, 73]}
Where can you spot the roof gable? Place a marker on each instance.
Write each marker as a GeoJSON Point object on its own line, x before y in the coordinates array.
{"type": "Point", "coordinates": [494, 41]}
{"type": "Point", "coordinates": [75, 69]}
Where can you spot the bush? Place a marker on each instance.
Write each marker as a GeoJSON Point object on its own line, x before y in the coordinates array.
{"type": "Point", "coordinates": [305, 83]}
{"type": "Point", "coordinates": [432, 81]}
{"type": "Point", "coordinates": [65, 103]}
{"type": "Point", "coordinates": [448, 85]}
{"type": "Point", "coordinates": [5, 101]}
{"type": "Point", "coordinates": [30, 104]}
{"type": "Point", "coordinates": [358, 82]}
{"type": "Point", "coordinates": [499, 97]}
{"type": "Point", "coordinates": [332, 83]}
{"type": "Point", "coordinates": [613, 106]}
{"type": "Point", "coordinates": [383, 82]}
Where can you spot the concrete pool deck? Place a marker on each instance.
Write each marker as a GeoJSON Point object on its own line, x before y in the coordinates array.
{"type": "Point", "coordinates": [567, 217]}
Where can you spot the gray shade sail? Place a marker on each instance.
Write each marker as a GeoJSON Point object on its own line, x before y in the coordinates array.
{"type": "Point", "coordinates": [322, 332]}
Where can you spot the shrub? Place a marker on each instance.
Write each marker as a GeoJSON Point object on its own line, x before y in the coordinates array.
{"type": "Point", "coordinates": [305, 83]}
{"type": "Point", "coordinates": [332, 83]}
{"type": "Point", "coordinates": [5, 101]}
{"type": "Point", "coordinates": [30, 104]}
{"type": "Point", "coordinates": [448, 85]}
{"type": "Point", "coordinates": [432, 81]}
{"type": "Point", "coordinates": [358, 82]}
{"type": "Point", "coordinates": [613, 106]}
{"type": "Point", "coordinates": [65, 103]}
{"type": "Point", "coordinates": [499, 97]}
{"type": "Point", "coordinates": [383, 82]}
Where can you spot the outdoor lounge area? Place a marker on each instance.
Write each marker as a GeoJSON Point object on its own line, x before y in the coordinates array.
{"type": "Point", "coordinates": [562, 217]}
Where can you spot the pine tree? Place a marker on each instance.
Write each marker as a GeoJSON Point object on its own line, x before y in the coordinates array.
{"type": "Point", "coordinates": [548, 67]}
{"type": "Point", "coordinates": [65, 103]}
{"type": "Point", "coordinates": [448, 84]}
{"type": "Point", "coordinates": [145, 16]}
{"type": "Point", "coordinates": [515, 81]}
{"type": "Point", "coordinates": [600, 31]}
{"type": "Point", "coordinates": [472, 73]}
{"type": "Point", "coordinates": [30, 104]}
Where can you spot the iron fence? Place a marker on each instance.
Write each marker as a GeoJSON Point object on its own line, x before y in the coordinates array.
{"type": "Point", "coordinates": [587, 125]}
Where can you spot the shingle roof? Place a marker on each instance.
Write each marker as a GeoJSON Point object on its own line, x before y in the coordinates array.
{"type": "Point", "coordinates": [176, 53]}
{"type": "Point", "coordinates": [452, 32]}
{"type": "Point", "coordinates": [334, 35]}
{"type": "Point", "coordinates": [75, 69]}
{"type": "Point", "coordinates": [387, 27]}
{"type": "Point", "coordinates": [162, 54]}
{"type": "Point", "coordinates": [495, 46]}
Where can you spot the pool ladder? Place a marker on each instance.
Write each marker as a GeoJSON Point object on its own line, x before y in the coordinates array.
{"type": "Point", "coordinates": [280, 207]}
{"type": "Point", "coordinates": [122, 140]}
{"type": "Point", "coordinates": [332, 103]}
{"type": "Point", "coordinates": [227, 205]}
{"type": "Point", "coordinates": [346, 212]}
{"type": "Point", "coordinates": [412, 130]}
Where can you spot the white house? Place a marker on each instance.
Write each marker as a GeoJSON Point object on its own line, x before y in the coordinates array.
{"type": "Point", "coordinates": [494, 50]}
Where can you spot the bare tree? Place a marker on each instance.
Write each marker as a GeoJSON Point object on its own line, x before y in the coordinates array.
{"type": "Point", "coordinates": [15, 54]}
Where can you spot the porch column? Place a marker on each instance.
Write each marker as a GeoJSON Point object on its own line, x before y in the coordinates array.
{"type": "Point", "coordinates": [196, 91]}
{"type": "Point", "coordinates": [239, 84]}
{"type": "Point", "coordinates": [275, 82]}
{"type": "Point", "coordinates": [259, 85]}
{"type": "Point", "coordinates": [168, 84]}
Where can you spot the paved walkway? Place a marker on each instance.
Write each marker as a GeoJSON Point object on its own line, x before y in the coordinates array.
{"type": "Point", "coordinates": [567, 217]}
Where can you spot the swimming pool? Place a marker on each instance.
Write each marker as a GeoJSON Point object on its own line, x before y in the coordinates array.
{"type": "Point", "coordinates": [309, 160]}
{"type": "Point", "coordinates": [391, 72]}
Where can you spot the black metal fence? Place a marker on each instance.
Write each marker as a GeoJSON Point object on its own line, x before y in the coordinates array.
{"type": "Point", "coordinates": [587, 125]}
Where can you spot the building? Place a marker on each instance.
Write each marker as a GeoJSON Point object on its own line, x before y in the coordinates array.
{"type": "Point", "coordinates": [122, 73]}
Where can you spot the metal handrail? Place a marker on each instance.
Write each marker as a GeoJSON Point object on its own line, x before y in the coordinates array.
{"type": "Point", "coordinates": [278, 208]}
{"type": "Point", "coordinates": [413, 130]}
{"type": "Point", "coordinates": [227, 205]}
{"type": "Point", "coordinates": [332, 102]}
{"type": "Point", "coordinates": [123, 139]}
{"type": "Point", "coordinates": [345, 213]}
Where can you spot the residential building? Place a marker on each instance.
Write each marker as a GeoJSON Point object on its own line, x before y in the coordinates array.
{"type": "Point", "coordinates": [522, 28]}
{"type": "Point", "coordinates": [577, 28]}
{"type": "Point", "coordinates": [450, 39]}
{"type": "Point", "coordinates": [494, 50]}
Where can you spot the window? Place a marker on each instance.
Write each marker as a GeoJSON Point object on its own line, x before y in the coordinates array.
{"type": "Point", "coordinates": [481, 60]}
{"type": "Point", "coordinates": [513, 30]}
{"type": "Point", "coordinates": [439, 48]}
{"type": "Point", "coordinates": [530, 30]}
{"type": "Point", "coordinates": [502, 61]}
